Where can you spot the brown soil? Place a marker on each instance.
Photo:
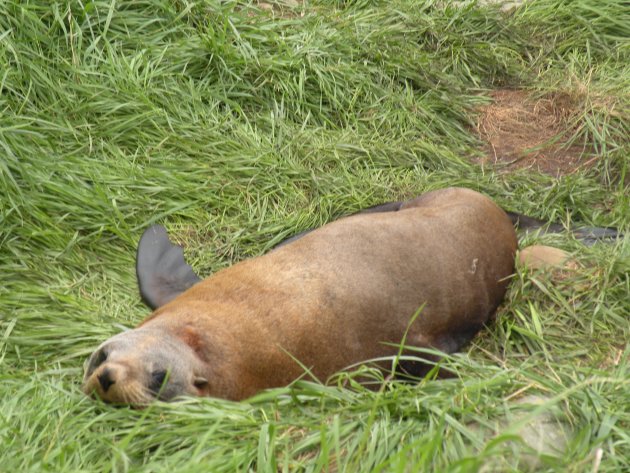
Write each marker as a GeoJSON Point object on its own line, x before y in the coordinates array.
{"type": "Point", "coordinates": [524, 132]}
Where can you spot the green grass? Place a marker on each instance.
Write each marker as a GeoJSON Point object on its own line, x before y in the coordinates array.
{"type": "Point", "coordinates": [236, 127]}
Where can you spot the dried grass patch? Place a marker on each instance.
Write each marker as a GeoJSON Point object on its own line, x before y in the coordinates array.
{"type": "Point", "coordinates": [525, 132]}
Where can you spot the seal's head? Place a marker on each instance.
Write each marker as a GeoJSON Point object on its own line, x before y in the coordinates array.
{"type": "Point", "coordinates": [141, 365]}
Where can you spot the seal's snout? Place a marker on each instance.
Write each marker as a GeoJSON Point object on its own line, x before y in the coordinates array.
{"type": "Point", "coordinates": [114, 376]}
{"type": "Point", "coordinates": [106, 379]}
{"type": "Point", "coordinates": [115, 382]}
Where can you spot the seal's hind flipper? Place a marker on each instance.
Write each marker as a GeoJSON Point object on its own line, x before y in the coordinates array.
{"type": "Point", "coordinates": [591, 235]}
{"type": "Point", "coordinates": [161, 269]}
{"type": "Point", "coordinates": [587, 235]}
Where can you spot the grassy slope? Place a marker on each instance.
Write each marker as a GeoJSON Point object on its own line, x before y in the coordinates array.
{"type": "Point", "coordinates": [236, 129]}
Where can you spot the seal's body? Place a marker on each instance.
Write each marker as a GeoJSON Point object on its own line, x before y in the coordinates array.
{"type": "Point", "coordinates": [339, 295]}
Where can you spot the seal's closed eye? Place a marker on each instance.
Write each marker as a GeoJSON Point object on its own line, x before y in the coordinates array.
{"type": "Point", "coordinates": [157, 380]}
{"type": "Point", "coordinates": [161, 269]}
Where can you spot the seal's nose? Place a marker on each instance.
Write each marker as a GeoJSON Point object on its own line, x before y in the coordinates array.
{"type": "Point", "coordinates": [106, 379]}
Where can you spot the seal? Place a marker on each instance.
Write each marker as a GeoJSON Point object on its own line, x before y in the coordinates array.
{"type": "Point", "coordinates": [430, 271]}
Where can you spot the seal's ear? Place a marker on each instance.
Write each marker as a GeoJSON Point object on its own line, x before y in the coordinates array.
{"type": "Point", "coordinates": [161, 269]}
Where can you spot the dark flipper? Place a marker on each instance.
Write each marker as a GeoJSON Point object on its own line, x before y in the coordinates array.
{"type": "Point", "coordinates": [591, 235]}
{"type": "Point", "coordinates": [588, 235]}
{"type": "Point", "coordinates": [523, 222]}
{"type": "Point", "coordinates": [388, 207]}
{"type": "Point", "coordinates": [161, 269]}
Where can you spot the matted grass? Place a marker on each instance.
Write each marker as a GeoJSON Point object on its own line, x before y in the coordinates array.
{"type": "Point", "coordinates": [236, 126]}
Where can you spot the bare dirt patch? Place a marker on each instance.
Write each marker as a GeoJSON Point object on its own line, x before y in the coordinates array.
{"type": "Point", "coordinates": [525, 132]}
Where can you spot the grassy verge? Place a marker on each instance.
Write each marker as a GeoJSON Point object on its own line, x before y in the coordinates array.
{"type": "Point", "coordinates": [237, 125]}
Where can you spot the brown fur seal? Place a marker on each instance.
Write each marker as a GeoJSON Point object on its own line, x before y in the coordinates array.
{"type": "Point", "coordinates": [339, 295]}
{"type": "Point", "coordinates": [343, 295]}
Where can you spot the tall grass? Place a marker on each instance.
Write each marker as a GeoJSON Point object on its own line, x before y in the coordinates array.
{"type": "Point", "coordinates": [237, 125]}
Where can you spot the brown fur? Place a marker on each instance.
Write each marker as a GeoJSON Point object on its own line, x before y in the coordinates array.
{"type": "Point", "coordinates": [335, 297]}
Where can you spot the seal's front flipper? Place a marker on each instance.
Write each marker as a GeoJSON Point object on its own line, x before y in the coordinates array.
{"type": "Point", "coordinates": [388, 207]}
{"type": "Point", "coordinates": [161, 269]}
